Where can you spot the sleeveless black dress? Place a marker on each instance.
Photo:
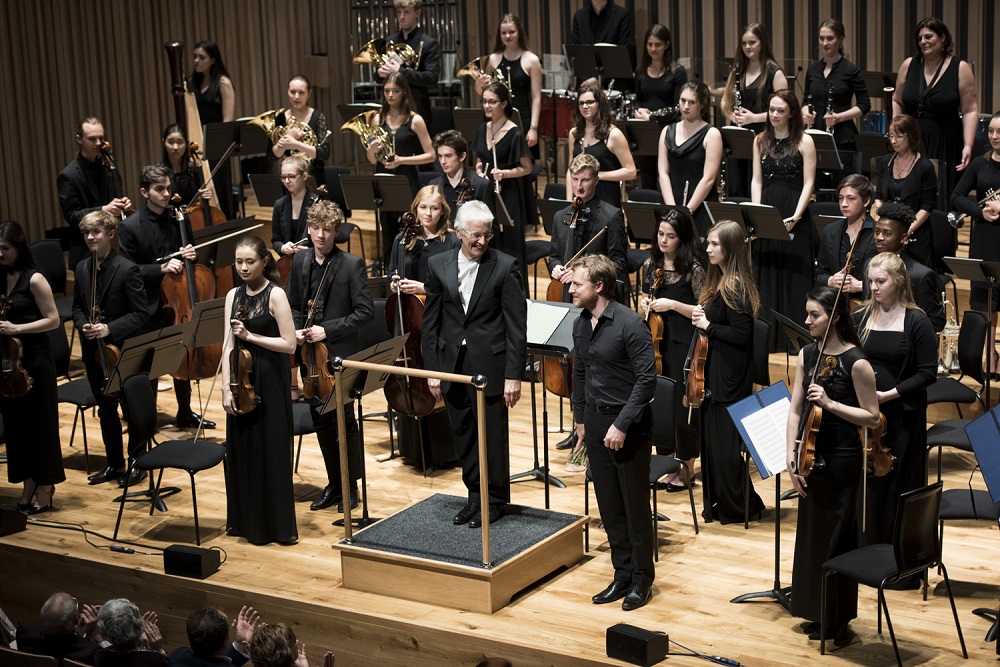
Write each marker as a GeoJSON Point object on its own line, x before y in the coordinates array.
{"type": "Point", "coordinates": [407, 143]}
{"type": "Point", "coordinates": [687, 165]}
{"type": "Point", "coordinates": [938, 112]}
{"type": "Point", "coordinates": [259, 496]}
{"type": "Point", "coordinates": [520, 93]}
{"type": "Point", "coordinates": [740, 172]}
{"type": "Point", "coordinates": [607, 191]}
{"type": "Point", "coordinates": [31, 422]}
{"type": "Point", "coordinates": [827, 523]}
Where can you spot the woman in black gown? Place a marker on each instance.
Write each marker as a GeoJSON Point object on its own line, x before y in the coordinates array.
{"type": "Point", "coordinates": [982, 176]}
{"type": "Point", "coordinates": [407, 272]}
{"type": "Point", "coordinates": [658, 82]}
{"type": "Point", "coordinates": [502, 156]}
{"type": "Point", "coordinates": [784, 171]}
{"type": "Point", "coordinates": [939, 90]}
{"type": "Point", "coordinates": [827, 522]}
{"type": "Point", "coordinates": [907, 176]}
{"type": "Point", "coordinates": [754, 77]}
{"type": "Point", "coordinates": [259, 497]}
{"type": "Point", "coordinates": [299, 90]}
{"type": "Point", "coordinates": [31, 421]}
{"type": "Point", "coordinates": [726, 309]}
{"type": "Point", "coordinates": [594, 133]}
{"type": "Point", "coordinates": [690, 156]}
{"type": "Point", "coordinates": [216, 99]}
{"type": "Point", "coordinates": [677, 269]}
{"type": "Point", "coordinates": [411, 142]}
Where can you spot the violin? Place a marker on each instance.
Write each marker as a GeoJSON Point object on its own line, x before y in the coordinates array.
{"type": "Point", "coordinates": [14, 379]}
{"type": "Point", "coordinates": [404, 314]}
{"type": "Point", "coordinates": [241, 371]}
{"type": "Point", "coordinates": [464, 192]}
{"type": "Point", "coordinates": [317, 379]}
{"type": "Point", "coordinates": [880, 458]}
{"type": "Point", "coordinates": [112, 166]}
{"type": "Point", "coordinates": [107, 354]}
{"type": "Point", "coordinates": [655, 321]}
{"type": "Point", "coordinates": [694, 371]}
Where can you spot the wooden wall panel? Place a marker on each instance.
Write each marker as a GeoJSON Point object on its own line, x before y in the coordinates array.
{"type": "Point", "coordinates": [66, 58]}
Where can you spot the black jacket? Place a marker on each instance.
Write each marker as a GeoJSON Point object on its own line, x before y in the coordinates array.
{"type": "Point", "coordinates": [427, 71]}
{"type": "Point", "coordinates": [613, 243]}
{"type": "Point", "coordinates": [281, 221]}
{"type": "Point", "coordinates": [123, 301]}
{"type": "Point", "coordinates": [830, 259]}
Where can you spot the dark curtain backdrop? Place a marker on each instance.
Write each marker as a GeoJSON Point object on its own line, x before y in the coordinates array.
{"type": "Point", "coordinates": [63, 59]}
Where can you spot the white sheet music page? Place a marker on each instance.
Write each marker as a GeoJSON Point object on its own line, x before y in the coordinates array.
{"type": "Point", "coordinates": [543, 320]}
{"type": "Point", "coordinates": [766, 428]}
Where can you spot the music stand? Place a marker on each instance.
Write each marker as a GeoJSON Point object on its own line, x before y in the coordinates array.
{"type": "Point", "coordinates": [875, 81]}
{"type": "Point", "coordinates": [759, 221]}
{"type": "Point", "coordinates": [796, 334]}
{"type": "Point", "coordinates": [643, 135]}
{"type": "Point", "coordinates": [361, 383]}
{"type": "Point", "coordinates": [550, 334]}
{"type": "Point", "coordinates": [974, 270]}
{"type": "Point", "coordinates": [984, 433]}
{"type": "Point", "coordinates": [871, 145]}
{"type": "Point", "coordinates": [822, 221]}
{"type": "Point", "coordinates": [600, 60]}
{"type": "Point", "coordinates": [547, 209]}
{"type": "Point", "coordinates": [222, 250]}
{"type": "Point", "coordinates": [644, 219]}
{"type": "Point", "coordinates": [267, 188]}
{"type": "Point", "coordinates": [737, 142]}
{"type": "Point", "coordinates": [467, 122]}
{"type": "Point", "coordinates": [827, 156]}
{"type": "Point", "coordinates": [244, 139]}
{"type": "Point", "coordinates": [378, 192]}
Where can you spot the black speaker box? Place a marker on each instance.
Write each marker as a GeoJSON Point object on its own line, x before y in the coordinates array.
{"type": "Point", "coordinates": [635, 645]}
{"type": "Point", "coordinates": [192, 562]}
{"type": "Point", "coordinates": [11, 520]}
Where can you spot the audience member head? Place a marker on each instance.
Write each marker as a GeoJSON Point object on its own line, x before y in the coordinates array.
{"type": "Point", "coordinates": [59, 614]}
{"type": "Point", "coordinates": [120, 622]}
{"type": "Point", "coordinates": [274, 646]}
{"type": "Point", "coordinates": [208, 632]}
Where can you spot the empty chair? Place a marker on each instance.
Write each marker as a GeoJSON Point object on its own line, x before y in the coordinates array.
{"type": "Point", "coordinates": [971, 340]}
{"type": "Point", "coordinates": [75, 392]}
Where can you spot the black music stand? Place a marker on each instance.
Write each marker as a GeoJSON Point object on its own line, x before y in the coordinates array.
{"type": "Point", "coordinates": [604, 61]}
{"type": "Point", "coordinates": [827, 156]}
{"type": "Point", "coordinates": [759, 221]}
{"type": "Point", "coordinates": [797, 335]}
{"type": "Point", "coordinates": [550, 334]}
{"type": "Point", "coordinates": [823, 221]}
{"type": "Point", "coordinates": [737, 144]}
{"type": "Point", "coordinates": [643, 135]}
{"type": "Point", "coordinates": [206, 327]}
{"type": "Point", "coordinates": [871, 146]}
{"type": "Point", "coordinates": [974, 270]}
{"type": "Point", "coordinates": [154, 354]}
{"type": "Point", "coordinates": [223, 252]}
{"type": "Point", "coordinates": [378, 192]}
{"type": "Point", "coordinates": [875, 81]}
{"type": "Point", "coordinates": [984, 433]}
{"type": "Point", "coordinates": [235, 139]}
{"type": "Point", "coordinates": [644, 219]}
{"type": "Point", "coordinates": [268, 189]}
{"type": "Point", "coordinates": [361, 383]}
{"type": "Point", "coordinates": [467, 122]}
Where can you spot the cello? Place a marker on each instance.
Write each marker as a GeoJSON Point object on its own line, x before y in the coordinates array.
{"type": "Point", "coordinates": [558, 372]}
{"type": "Point", "coordinates": [404, 314]}
{"type": "Point", "coordinates": [655, 321]}
{"type": "Point", "coordinates": [14, 379]}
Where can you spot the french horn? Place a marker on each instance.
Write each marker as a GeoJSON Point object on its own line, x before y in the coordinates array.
{"type": "Point", "coordinates": [268, 122]}
{"type": "Point", "coordinates": [363, 126]}
{"type": "Point", "coordinates": [474, 70]}
{"type": "Point", "coordinates": [378, 52]}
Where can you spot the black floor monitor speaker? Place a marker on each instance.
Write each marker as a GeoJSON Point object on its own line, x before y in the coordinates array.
{"type": "Point", "coordinates": [11, 520]}
{"type": "Point", "coordinates": [635, 645]}
{"type": "Point", "coordinates": [193, 562]}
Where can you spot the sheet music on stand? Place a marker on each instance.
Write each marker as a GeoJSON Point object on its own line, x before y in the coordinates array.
{"type": "Point", "coordinates": [759, 220]}
{"type": "Point", "coordinates": [760, 418]}
{"type": "Point", "coordinates": [827, 155]}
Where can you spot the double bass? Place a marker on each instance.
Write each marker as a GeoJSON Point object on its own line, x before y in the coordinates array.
{"type": "Point", "coordinates": [404, 314]}
{"type": "Point", "coordinates": [14, 379]}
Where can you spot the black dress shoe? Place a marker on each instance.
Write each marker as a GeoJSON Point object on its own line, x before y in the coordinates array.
{"type": "Point", "coordinates": [637, 597]}
{"type": "Point", "coordinates": [466, 513]}
{"type": "Point", "coordinates": [568, 442]}
{"type": "Point", "coordinates": [326, 499]}
{"type": "Point", "coordinates": [354, 500]}
{"type": "Point", "coordinates": [106, 475]}
{"type": "Point", "coordinates": [134, 478]}
{"type": "Point", "coordinates": [616, 591]}
{"type": "Point", "coordinates": [191, 420]}
{"type": "Point", "coordinates": [496, 511]}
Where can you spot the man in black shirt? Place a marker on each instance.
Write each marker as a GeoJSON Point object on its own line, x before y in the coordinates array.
{"type": "Point", "coordinates": [614, 378]}
{"type": "Point", "coordinates": [451, 149]}
{"type": "Point", "coordinates": [428, 66]}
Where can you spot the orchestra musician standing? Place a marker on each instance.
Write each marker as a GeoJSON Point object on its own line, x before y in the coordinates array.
{"type": "Point", "coordinates": [299, 91]}
{"type": "Point", "coordinates": [121, 298]}
{"type": "Point", "coordinates": [854, 195]}
{"type": "Point", "coordinates": [603, 22]}
{"type": "Point", "coordinates": [678, 254]}
{"type": "Point", "coordinates": [594, 132]}
{"type": "Point", "coordinates": [216, 100]}
{"type": "Point", "coordinates": [451, 149]}
{"type": "Point", "coordinates": [341, 309]}
{"type": "Point", "coordinates": [288, 217]}
{"type": "Point", "coordinates": [147, 235]}
{"type": "Point", "coordinates": [475, 323]}
{"type": "Point", "coordinates": [259, 497]}
{"type": "Point", "coordinates": [658, 82]}
{"type": "Point", "coordinates": [827, 520]}
{"type": "Point", "coordinates": [726, 309]}
{"type": "Point", "coordinates": [425, 73]}
{"type": "Point", "coordinates": [614, 379]}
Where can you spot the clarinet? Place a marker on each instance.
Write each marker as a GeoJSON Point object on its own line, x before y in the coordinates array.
{"type": "Point", "coordinates": [829, 105]}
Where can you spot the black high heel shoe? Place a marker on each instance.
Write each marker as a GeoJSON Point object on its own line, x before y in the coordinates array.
{"type": "Point", "coordinates": [39, 509]}
{"type": "Point", "coordinates": [24, 507]}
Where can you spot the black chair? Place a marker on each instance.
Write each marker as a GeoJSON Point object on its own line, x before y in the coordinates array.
{"type": "Point", "coordinates": [647, 195]}
{"type": "Point", "coordinates": [536, 250]}
{"type": "Point", "coordinates": [659, 465]}
{"type": "Point", "coordinates": [425, 177]}
{"type": "Point", "coordinates": [75, 392]}
{"type": "Point", "coordinates": [191, 456]}
{"type": "Point", "coordinates": [915, 548]}
{"type": "Point", "coordinates": [761, 354]}
{"type": "Point", "coordinates": [439, 121]}
{"type": "Point", "coordinates": [967, 504]}
{"type": "Point", "coordinates": [14, 658]}
{"type": "Point", "coordinates": [302, 425]}
{"type": "Point", "coordinates": [971, 341]}
{"type": "Point", "coordinates": [332, 173]}
{"type": "Point", "coordinates": [51, 261]}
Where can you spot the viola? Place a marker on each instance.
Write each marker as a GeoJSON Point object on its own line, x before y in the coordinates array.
{"type": "Point", "coordinates": [404, 314]}
{"type": "Point", "coordinates": [317, 379]}
{"type": "Point", "coordinates": [14, 379]}
{"type": "Point", "coordinates": [112, 166]}
{"type": "Point", "coordinates": [694, 371]}
{"type": "Point", "coordinates": [107, 354]}
{"type": "Point", "coordinates": [203, 214]}
{"type": "Point", "coordinates": [880, 458]}
{"type": "Point", "coordinates": [655, 321]}
{"type": "Point", "coordinates": [241, 371]}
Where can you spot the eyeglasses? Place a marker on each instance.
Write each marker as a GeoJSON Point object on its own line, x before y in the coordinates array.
{"type": "Point", "coordinates": [893, 137]}
{"type": "Point", "coordinates": [490, 103]}
{"type": "Point", "coordinates": [587, 103]}
{"type": "Point", "coordinates": [289, 177]}
{"type": "Point", "coordinates": [477, 236]}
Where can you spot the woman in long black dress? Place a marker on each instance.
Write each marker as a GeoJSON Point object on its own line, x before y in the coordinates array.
{"type": "Point", "coordinates": [726, 309]}
{"type": "Point", "coordinates": [690, 156]}
{"type": "Point", "coordinates": [514, 61]}
{"type": "Point", "coordinates": [216, 99]}
{"type": "Point", "coordinates": [907, 176]}
{"type": "Point", "coordinates": [754, 77]}
{"type": "Point", "coordinates": [502, 156]}
{"type": "Point", "coordinates": [658, 82]}
{"type": "Point", "coordinates": [186, 179]}
{"type": "Point", "coordinates": [827, 522]}
{"type": "Point", "coordinates": [594, 132]}
{"type": "Point", "coordinates": [784, 171]}
{"type": "Point", "coordinates": [982, 176]}
{"type": "Point", "coordinates": [259, 497]}
{"type": "Point", "coordinates": [407, 272]}
{"type": "Point", "coordinates": [299, 90]}
{"type": "Point", "coordinates": [411, 142]}
{"type": "Point", "coordinates": [677, 269]}
{"type": "Point", "coordinates": [899, 340]}
{"type": "Point", "coordinates": [939, 90]}
{"type": "Point", "coordinates": [836, 93]}
{"type": "Point", "coordinates": [31, 421]}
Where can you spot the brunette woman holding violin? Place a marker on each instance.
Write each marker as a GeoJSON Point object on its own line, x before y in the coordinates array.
{"type": "Point", "coordinates": [844, 389]}
{"type": "Point", "coordinates": [186, 177]}
{"type": "Point", "coordinates": [726, 310]}
{"type": "Point", "coordinates": [288, 220]}
{"type": "Point", "coordinates": [406, 273]}
{"type": "Point", "coordinates": [672, 279]}
{"type": "Point", "coordinates": [261, 504]}
{"type": "Point", "coordinates": [900, 342]}
{"type": "Point", "coordinates": [28, 401]}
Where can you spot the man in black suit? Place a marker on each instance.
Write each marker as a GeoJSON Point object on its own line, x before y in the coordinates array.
{"type": "Point", "coordinates": [146, 236]}
{"type": "Point", "coordinates": [604, 22]}
{"type": "Point", "coordinates": [891, 233]}
{"type": "Point", "coordinates": [854, 195]}
{"type": "Point", "coordinates": [87, 184]}
{"type": "Point", "coordinates": [428, 51]}
{"type": "Point", "coordinates": [123, 309]}
{"type": "Point", "coordinates": [343, 306]}
{"type": "Point", "coordinates": [208, 636]}
{"type": "Point", "coordinates": [475, 323]}
{"type": "Point", "coordinates": [62, 631]}
{"type": "Point", "coordinates": [451, 149]}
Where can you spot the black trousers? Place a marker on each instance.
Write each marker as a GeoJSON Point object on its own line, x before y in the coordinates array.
{"type": "Point", "coordinates": [329, 444]}
{"type": "Point", "coordinates": [621, 483]}
{"type": "Point", "coordinates": [107, 408]}
{"type": "Point", "coordinates": [461, 402]}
